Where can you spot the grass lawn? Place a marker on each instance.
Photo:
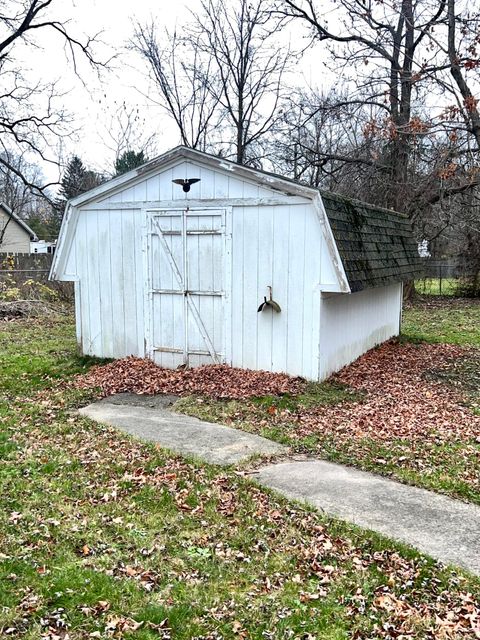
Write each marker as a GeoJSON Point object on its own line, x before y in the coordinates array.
{"type": "Point", "coordinates": [436, 287]}
{"type": "Point", "coordinates": [451, 320]}
{"type": "Point", "coordinates": [102, 536]}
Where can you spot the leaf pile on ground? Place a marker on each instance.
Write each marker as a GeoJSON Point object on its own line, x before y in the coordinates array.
{"type": "Point", "coordinates": [399, 402]}
{"type": "Point", "coordinates": [137, 375]}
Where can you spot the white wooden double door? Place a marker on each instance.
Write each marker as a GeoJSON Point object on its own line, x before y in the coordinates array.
{"type": "Point", "coordinates": [188, 266]}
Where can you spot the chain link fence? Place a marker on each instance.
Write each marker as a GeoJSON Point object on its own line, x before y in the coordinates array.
{"type": "Point", "coordinates": [445, 277]}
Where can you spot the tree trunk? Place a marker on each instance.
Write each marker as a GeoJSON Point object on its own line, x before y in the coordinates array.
{"type": "Point", "coordinates": [409, 292]}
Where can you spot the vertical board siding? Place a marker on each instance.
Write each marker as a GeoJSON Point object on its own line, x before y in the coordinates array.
{"type": "Point", "coordinates": [108, 265]}
{"type": "Point", "coordinates": [311, 294]}
{"type": "Point", "coordinates": [246, 281]}
{"type": "Point", "coordinates": [279, 246]}
{"type": "Point", "coordinates": [165, 185]}
{"type": "Point", "coordinates": [352, 324]}
{"type": "Point", "coordinates": [213, 184]}
{"type": "Point", "coordinates": [280, 261]}
{"type": "Point", "coordinates": [127, 222]}
{"type": "Point", "coordinates": [82, 314]}
{"type": "Point", "coordinates": [94, 276]}
{"type": "Point", "coordinates": [220, 185]}
{"type": "Point", "coordinates": [78, 313]}
{"type": "Point", "coordinates": [140, 281]}
{"type": "Point", "coordinates": [265, 319]}
{"type": "Point", "coordinates": [140, 192]}
{"type": "Point", "coordinates": [295, 306]}
{"type": "Point", "coordinates": [119, 279]}
{"type": "Point", "coordinates": [105, 292]}
{"type": "Point", "coordinates": [153, 189]}
{"type": "Point", "coordinates": [237, 287]}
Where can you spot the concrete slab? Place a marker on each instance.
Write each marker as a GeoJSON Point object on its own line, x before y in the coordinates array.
{"type": "Point", "coordinates": [163, 401]}
{"type": "Point", "coordinates": [445, 529]}
{"type": "Point", "coordinates": [210, 442]}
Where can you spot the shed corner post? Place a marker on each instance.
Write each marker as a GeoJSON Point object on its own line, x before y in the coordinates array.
{"type": "Point", "coordinates": [78, 314]}
{"type": "Point", "coordinates": [319, 355]}
{"type": "Point", "coordinates": [400, 314]}
{"type": "Point", "coordinates": [147, 287]}
{"type": "Point", "coordinates": [228, 337]}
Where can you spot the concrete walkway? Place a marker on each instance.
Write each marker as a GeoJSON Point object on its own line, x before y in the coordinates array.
{"type": "Point", "coordinates": [151, 419]}
{"type": "Point", "coordinates": [445, 529]}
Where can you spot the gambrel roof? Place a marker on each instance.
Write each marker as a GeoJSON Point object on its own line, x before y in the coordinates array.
{"type": "Point", "coordinates": [376, 245]}
{"type": "Point", "coordinates": [369, 246]}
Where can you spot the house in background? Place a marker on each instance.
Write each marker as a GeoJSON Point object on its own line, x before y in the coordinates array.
{"type": "Point", "coordinates": [15, 234]}
{"type": "Point", "coordinates": [42, 246]}
{"type": "Point", "coordinates": [181, 260]}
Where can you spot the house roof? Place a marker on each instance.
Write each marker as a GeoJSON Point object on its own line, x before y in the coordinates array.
{"type": "Point", "coordinates": [369, 246]}
{"type": "Point", "coordinates": [376, 245]}
{"type": "Point", "coordinates": [18, 221]}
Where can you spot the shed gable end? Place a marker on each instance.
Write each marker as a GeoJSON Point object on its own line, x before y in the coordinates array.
{"type": "Point", "coordinates": [212, 185]}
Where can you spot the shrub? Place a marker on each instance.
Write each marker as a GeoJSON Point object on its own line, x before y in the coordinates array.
{"type": "Point", "coordinates": [468, 287]}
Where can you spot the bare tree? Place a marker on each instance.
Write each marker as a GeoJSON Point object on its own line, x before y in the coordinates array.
{"type": "Point", "coordinates": [403, 129]}
{"type": "Point", "coordinates": [29, 113]}
{"type": "Point", "coordinates": [396, 64]}
{"type": "Point", "coordinates": [323, 143]}
{"type": "Point", "coordinates": [127, 131]}
{"type": "Point", "coordinates": [17, 195]}
{"type": "Point", "coordinates": [183, 80]}
{"type": "Point", "coordinates": [222, 80]}
{"type": "Point", "coordinates": [242, 39]}
{"type": "Point", "coordinates": [459, 64]}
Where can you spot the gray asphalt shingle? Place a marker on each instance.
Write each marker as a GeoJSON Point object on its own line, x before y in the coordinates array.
{"type": "Point", "coordinates": [376, 245]}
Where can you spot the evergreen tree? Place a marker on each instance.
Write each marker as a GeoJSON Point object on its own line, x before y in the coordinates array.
{"type": "Point", "coordinates": [44, 223]}
{"type": "Point", "coordinates": [73, 179]}
{"type": "Point", "coordinates": [129, 160]}
{"type": "Point", "coordinates": [76, 180]}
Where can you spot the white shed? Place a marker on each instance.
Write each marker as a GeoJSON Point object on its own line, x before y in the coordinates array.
{"type": "Point", "coordinates": [175, 269]}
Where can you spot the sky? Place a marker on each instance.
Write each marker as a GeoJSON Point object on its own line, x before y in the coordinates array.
{"type": "Point", "coordinates": [93, 102]}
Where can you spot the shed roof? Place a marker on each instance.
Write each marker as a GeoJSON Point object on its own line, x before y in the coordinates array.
{"type": "Point", "coordinates": [376, 245]}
